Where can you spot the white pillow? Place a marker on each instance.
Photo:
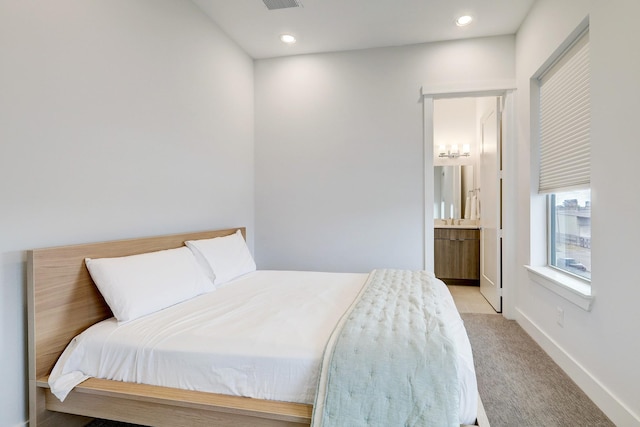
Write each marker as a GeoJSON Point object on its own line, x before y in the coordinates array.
{"type": "Point", "coordinates": [137, 285]}
{"type": "Point", "coordinates": [223, 258]}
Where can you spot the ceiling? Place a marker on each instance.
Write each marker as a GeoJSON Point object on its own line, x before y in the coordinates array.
{"type": "Point", "coordinates": [337, 25]}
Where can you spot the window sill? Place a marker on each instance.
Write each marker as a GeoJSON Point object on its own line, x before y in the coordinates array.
{"type": "Point", "coordinates": [572, 289]}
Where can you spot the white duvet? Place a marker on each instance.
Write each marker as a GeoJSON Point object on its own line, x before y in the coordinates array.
{"type": "Point", "coordinates": [262, 335]}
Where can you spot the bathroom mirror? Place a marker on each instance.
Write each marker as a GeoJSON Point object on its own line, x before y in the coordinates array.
{"type": "Point", "coordinates": [451, 185]}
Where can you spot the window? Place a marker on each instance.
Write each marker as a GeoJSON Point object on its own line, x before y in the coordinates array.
{"type": "Point", "coordinates": [570, 232]}
{"type": "Point", "coordinates": [565, 158]}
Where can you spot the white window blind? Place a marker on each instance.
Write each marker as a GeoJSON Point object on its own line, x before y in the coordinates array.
{"type": "Point", "coordinates": [565, 121]}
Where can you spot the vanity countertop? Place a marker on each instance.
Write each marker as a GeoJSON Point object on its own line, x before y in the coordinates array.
{"type": "Point", "coordinates": [472, 224]}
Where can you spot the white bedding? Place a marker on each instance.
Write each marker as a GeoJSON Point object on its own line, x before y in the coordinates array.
{"type": "Point", "coordinates": [262, 335]}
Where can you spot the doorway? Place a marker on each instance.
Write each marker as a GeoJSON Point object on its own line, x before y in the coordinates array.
{"type": "Point", "coordinates": [485, 152]}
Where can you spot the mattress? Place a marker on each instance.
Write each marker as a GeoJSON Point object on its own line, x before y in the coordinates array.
{"type": "Point", "coordinates": [262, 335]}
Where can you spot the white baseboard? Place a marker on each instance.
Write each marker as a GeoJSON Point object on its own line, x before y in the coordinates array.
{"type": "Point", "coordinates": [619, 414]}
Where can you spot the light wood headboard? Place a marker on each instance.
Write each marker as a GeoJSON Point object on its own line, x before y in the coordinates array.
{"type": "Point", "coordinates": [63, 300]}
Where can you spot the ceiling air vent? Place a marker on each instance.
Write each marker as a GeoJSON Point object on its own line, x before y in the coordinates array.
{"type": "Point", "coordinates": [281, 4]}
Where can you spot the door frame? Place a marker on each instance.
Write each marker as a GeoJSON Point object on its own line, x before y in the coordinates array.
{"type": "Point", "coordinates": [505, 89]}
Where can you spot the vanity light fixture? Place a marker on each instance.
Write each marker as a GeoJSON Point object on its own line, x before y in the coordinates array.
{"type": "Point", "coordinates": [454, 151]}
{"type": "Point", "coordinates": [464, 20]}
{"type": "Point", "coordinates": [287, 38]}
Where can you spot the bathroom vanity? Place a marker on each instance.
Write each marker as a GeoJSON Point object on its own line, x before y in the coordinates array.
{"type": "Point", "coordinates": [457, 254]}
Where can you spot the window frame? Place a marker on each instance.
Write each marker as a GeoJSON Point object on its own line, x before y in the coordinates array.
{"type": "Point", "coordinates": [571, 287]}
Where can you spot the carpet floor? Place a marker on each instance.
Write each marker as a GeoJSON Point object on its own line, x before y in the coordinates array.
{"type": "Point", "coordinates": [519, 384]}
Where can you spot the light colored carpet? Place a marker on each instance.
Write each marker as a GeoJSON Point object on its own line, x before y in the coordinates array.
{"type": "Point", "coordinates": [519, 384]}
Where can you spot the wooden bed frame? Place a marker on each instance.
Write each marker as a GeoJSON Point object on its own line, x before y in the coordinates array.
{"type": "Point", "coordinates": [63, 301]}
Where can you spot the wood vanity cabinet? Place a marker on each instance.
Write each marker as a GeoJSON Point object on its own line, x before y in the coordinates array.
{"type": "Point", "coordinates": [457, 255]}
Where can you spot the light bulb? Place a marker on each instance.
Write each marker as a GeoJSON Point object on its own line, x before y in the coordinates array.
{"type": "Point", "coordinates": [288, 39]}
{"type": "Point", "coordinates": [464, 20]}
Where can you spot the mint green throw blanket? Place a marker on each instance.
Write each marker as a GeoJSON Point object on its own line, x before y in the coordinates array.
{"type": "Point", "coordinates": [393, 362]}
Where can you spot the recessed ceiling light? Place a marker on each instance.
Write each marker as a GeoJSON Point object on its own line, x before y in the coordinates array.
{"type": "Point", "coordinates": [288, 39]}
{"type": "Point", "coordinates": [464, 20]}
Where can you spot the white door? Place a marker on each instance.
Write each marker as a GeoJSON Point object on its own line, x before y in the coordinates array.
{"type": "Point", "coordinates": [490, 208]}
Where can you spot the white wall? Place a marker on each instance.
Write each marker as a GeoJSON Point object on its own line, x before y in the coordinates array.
{"type": "Point", "coordinates": [454, 122]}
{"type": "Point", "coordinates": [118, 119]}
{"type": "Point", "coordinates": [600, 349]}
{"type": "Point", "coordinates": [339, 151]}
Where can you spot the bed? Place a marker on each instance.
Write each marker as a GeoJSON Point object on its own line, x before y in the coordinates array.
{"type": "Point", "coordinates": [63, 301]}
